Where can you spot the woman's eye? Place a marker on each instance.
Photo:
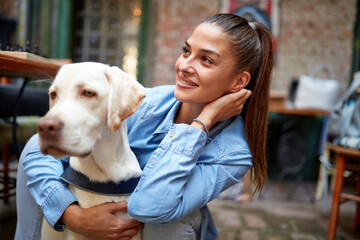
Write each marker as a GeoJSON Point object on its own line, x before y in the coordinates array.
{"type": "Point", "coordinates": [186, 52]}
{"type": "Point", "coordinates": [53, 95]}
{"type": "Point", "coordinates": [207, 60]}
{"type": "Point", "coordinates": [88, 93]}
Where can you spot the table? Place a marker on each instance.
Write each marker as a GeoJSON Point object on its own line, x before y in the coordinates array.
{"type": "Point", "coordinates": [27, 65]}
{"type": "Point", "coordinates": [296, 134]}
{"type": "Point", "coordinates": [339, 197]}
{"type": "Point", "coordinates": [297, 111]}
{"type": "Point", "coordinates": [292, 122]}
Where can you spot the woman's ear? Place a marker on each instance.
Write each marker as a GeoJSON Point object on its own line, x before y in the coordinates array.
{"type": "Point", "coordinates": [242, 79]}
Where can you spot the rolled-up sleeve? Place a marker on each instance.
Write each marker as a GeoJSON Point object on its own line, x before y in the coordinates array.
{"type": "Point", "coordinates": [52, 195]}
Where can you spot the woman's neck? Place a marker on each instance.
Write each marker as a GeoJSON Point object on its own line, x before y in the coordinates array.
{"type": "Point", "coordinates": [187, 112]}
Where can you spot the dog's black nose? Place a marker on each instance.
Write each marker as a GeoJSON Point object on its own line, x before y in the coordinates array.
{"type": "Point", "coordinates": [49, 127]}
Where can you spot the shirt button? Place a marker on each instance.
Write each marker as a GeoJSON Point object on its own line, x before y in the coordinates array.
{"type": "Point", "coordinates": [151, 162]}
{"type": "Point", "coordinates": [172, 135]}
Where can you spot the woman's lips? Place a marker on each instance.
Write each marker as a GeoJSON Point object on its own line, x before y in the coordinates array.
{"type": "Point", "coordinates": [185, 82]}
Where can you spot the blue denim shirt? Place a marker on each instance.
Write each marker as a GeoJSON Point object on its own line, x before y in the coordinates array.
{"type": "Point", "coordinates": [181, 171]}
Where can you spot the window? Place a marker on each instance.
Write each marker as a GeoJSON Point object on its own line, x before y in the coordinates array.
{"type": "Point", "coordinates": [107, 31]}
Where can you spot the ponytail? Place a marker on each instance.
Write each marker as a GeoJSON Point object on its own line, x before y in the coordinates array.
{"type": "Point", "coordinates": [252, 47]}
{"type": "Point", "coordinates": [256, 110]}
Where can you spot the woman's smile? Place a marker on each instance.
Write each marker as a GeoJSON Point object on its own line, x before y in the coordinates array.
{"type": "Point", "coordinates": [184, 82]}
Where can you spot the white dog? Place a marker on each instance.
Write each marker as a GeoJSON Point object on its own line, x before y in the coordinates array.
{"type": "Point", "coordinates": [88, 103]}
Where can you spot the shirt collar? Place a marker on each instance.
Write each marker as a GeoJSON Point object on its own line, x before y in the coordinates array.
{"type": "Point", "coordinates": [166, 123]}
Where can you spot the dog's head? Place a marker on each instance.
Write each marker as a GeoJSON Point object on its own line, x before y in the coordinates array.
{"type": "Point", "coordinates": [86, 101]}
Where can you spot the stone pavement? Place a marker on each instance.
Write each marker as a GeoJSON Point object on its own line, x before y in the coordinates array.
{"type": "Point", "coordinates": [275, 217]}
{"type": "Point", "coordinates": [272, 217]}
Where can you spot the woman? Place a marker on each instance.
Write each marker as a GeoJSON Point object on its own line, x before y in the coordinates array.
{"type": "Point", "coordinates": [190, 140]}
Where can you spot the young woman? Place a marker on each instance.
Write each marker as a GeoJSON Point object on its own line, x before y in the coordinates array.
{"type": "Point", "coordinates": [190, 139]}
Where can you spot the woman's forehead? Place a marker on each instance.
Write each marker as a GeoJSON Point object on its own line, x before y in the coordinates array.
{"type": "Point", "coordinates": [211, 37]}
{"type": "Point", "coordinates": [208, 30]}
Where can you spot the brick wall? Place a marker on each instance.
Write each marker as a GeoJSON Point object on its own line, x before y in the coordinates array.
{"type": "Point", "coordinates": [174, 23]}
{"type": "Point", "coordinates": [314, 31]}
{"type": "Point", "coordinates": [9, 8]}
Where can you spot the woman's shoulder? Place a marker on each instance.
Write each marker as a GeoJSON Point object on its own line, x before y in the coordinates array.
{"type": "Point", "coordinates": [159, 99]}
{"type": "Point", "coordinates": [159, 93]}
{"type": "Point", "coordinates": [232, 139]}
{"type": "Point", "coordinates": [157, 102]}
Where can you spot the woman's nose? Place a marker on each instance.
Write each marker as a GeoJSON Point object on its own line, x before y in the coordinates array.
{"type": "Point", "coordinates": [187, 66]}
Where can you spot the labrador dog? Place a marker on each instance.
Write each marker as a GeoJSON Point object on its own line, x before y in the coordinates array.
{"type": "Point", "coordinates": [88, 105]}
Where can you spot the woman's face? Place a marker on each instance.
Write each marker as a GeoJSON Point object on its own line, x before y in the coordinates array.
{"type": "Point", "coordinates": [205, 70]}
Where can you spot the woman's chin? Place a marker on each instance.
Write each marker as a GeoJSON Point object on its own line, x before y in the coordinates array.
{"type": "Point", "coordinates": [181, 96]}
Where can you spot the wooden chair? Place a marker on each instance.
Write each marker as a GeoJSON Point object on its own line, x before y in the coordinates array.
{"type": "Point", "coordinates": [342, 154]}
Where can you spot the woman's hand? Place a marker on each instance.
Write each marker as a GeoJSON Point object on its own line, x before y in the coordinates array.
{"type": "Point", "coordinates": [100, 222]}
{"type": "Point", "coordinates": [224, 108]}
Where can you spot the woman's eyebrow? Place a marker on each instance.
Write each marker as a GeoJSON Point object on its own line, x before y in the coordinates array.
{"type": "Point", "coordinates": [208, 51]}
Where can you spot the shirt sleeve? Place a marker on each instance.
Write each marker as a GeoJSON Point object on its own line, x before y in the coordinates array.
{"type": "Point", "coordinates": [174, 184]}
{"type": "Point", "coordinates": [51, 194]}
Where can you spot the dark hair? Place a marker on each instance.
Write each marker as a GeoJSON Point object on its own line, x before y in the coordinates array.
{"type": "Point", "coordinates": [252, 47]}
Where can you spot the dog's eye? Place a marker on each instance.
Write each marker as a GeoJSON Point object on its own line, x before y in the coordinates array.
{"type": "Point", "coordinates": [53, 95]}
{"type": "Point", "coordinates": [88, 93]}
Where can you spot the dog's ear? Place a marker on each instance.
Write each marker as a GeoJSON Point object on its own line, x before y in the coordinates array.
{"type": "Point", "coordinates": [125, 96]}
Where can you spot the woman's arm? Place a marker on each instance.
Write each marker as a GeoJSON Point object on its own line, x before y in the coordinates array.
{"type": "Point", "coordinates": [59, 204]}
{"type": "Point", "coordinates": [49, 192]}
{"type": "Point", "coordinates": [174, 183]}
{"type": "Point", "coordinates": [223, 108]}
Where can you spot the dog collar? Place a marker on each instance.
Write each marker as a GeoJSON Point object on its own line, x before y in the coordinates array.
{"type": "Point", "coordinates": [81, 181]}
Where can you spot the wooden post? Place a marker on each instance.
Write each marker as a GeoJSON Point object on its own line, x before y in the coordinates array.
{"type": "Point", "coordinates": [357, 214]}
{"type": "Point", "coordinates": [45, 28]}
{"type": "Point", "coordinates": [340, 167]}
{"type": "Point", "coordinates": [64, 29]}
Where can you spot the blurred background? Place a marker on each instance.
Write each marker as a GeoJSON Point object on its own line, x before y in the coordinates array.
{"type": "Point", "coordinates": [315, 38]}
{"type": "Point", "coordinates": [145, 37]}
